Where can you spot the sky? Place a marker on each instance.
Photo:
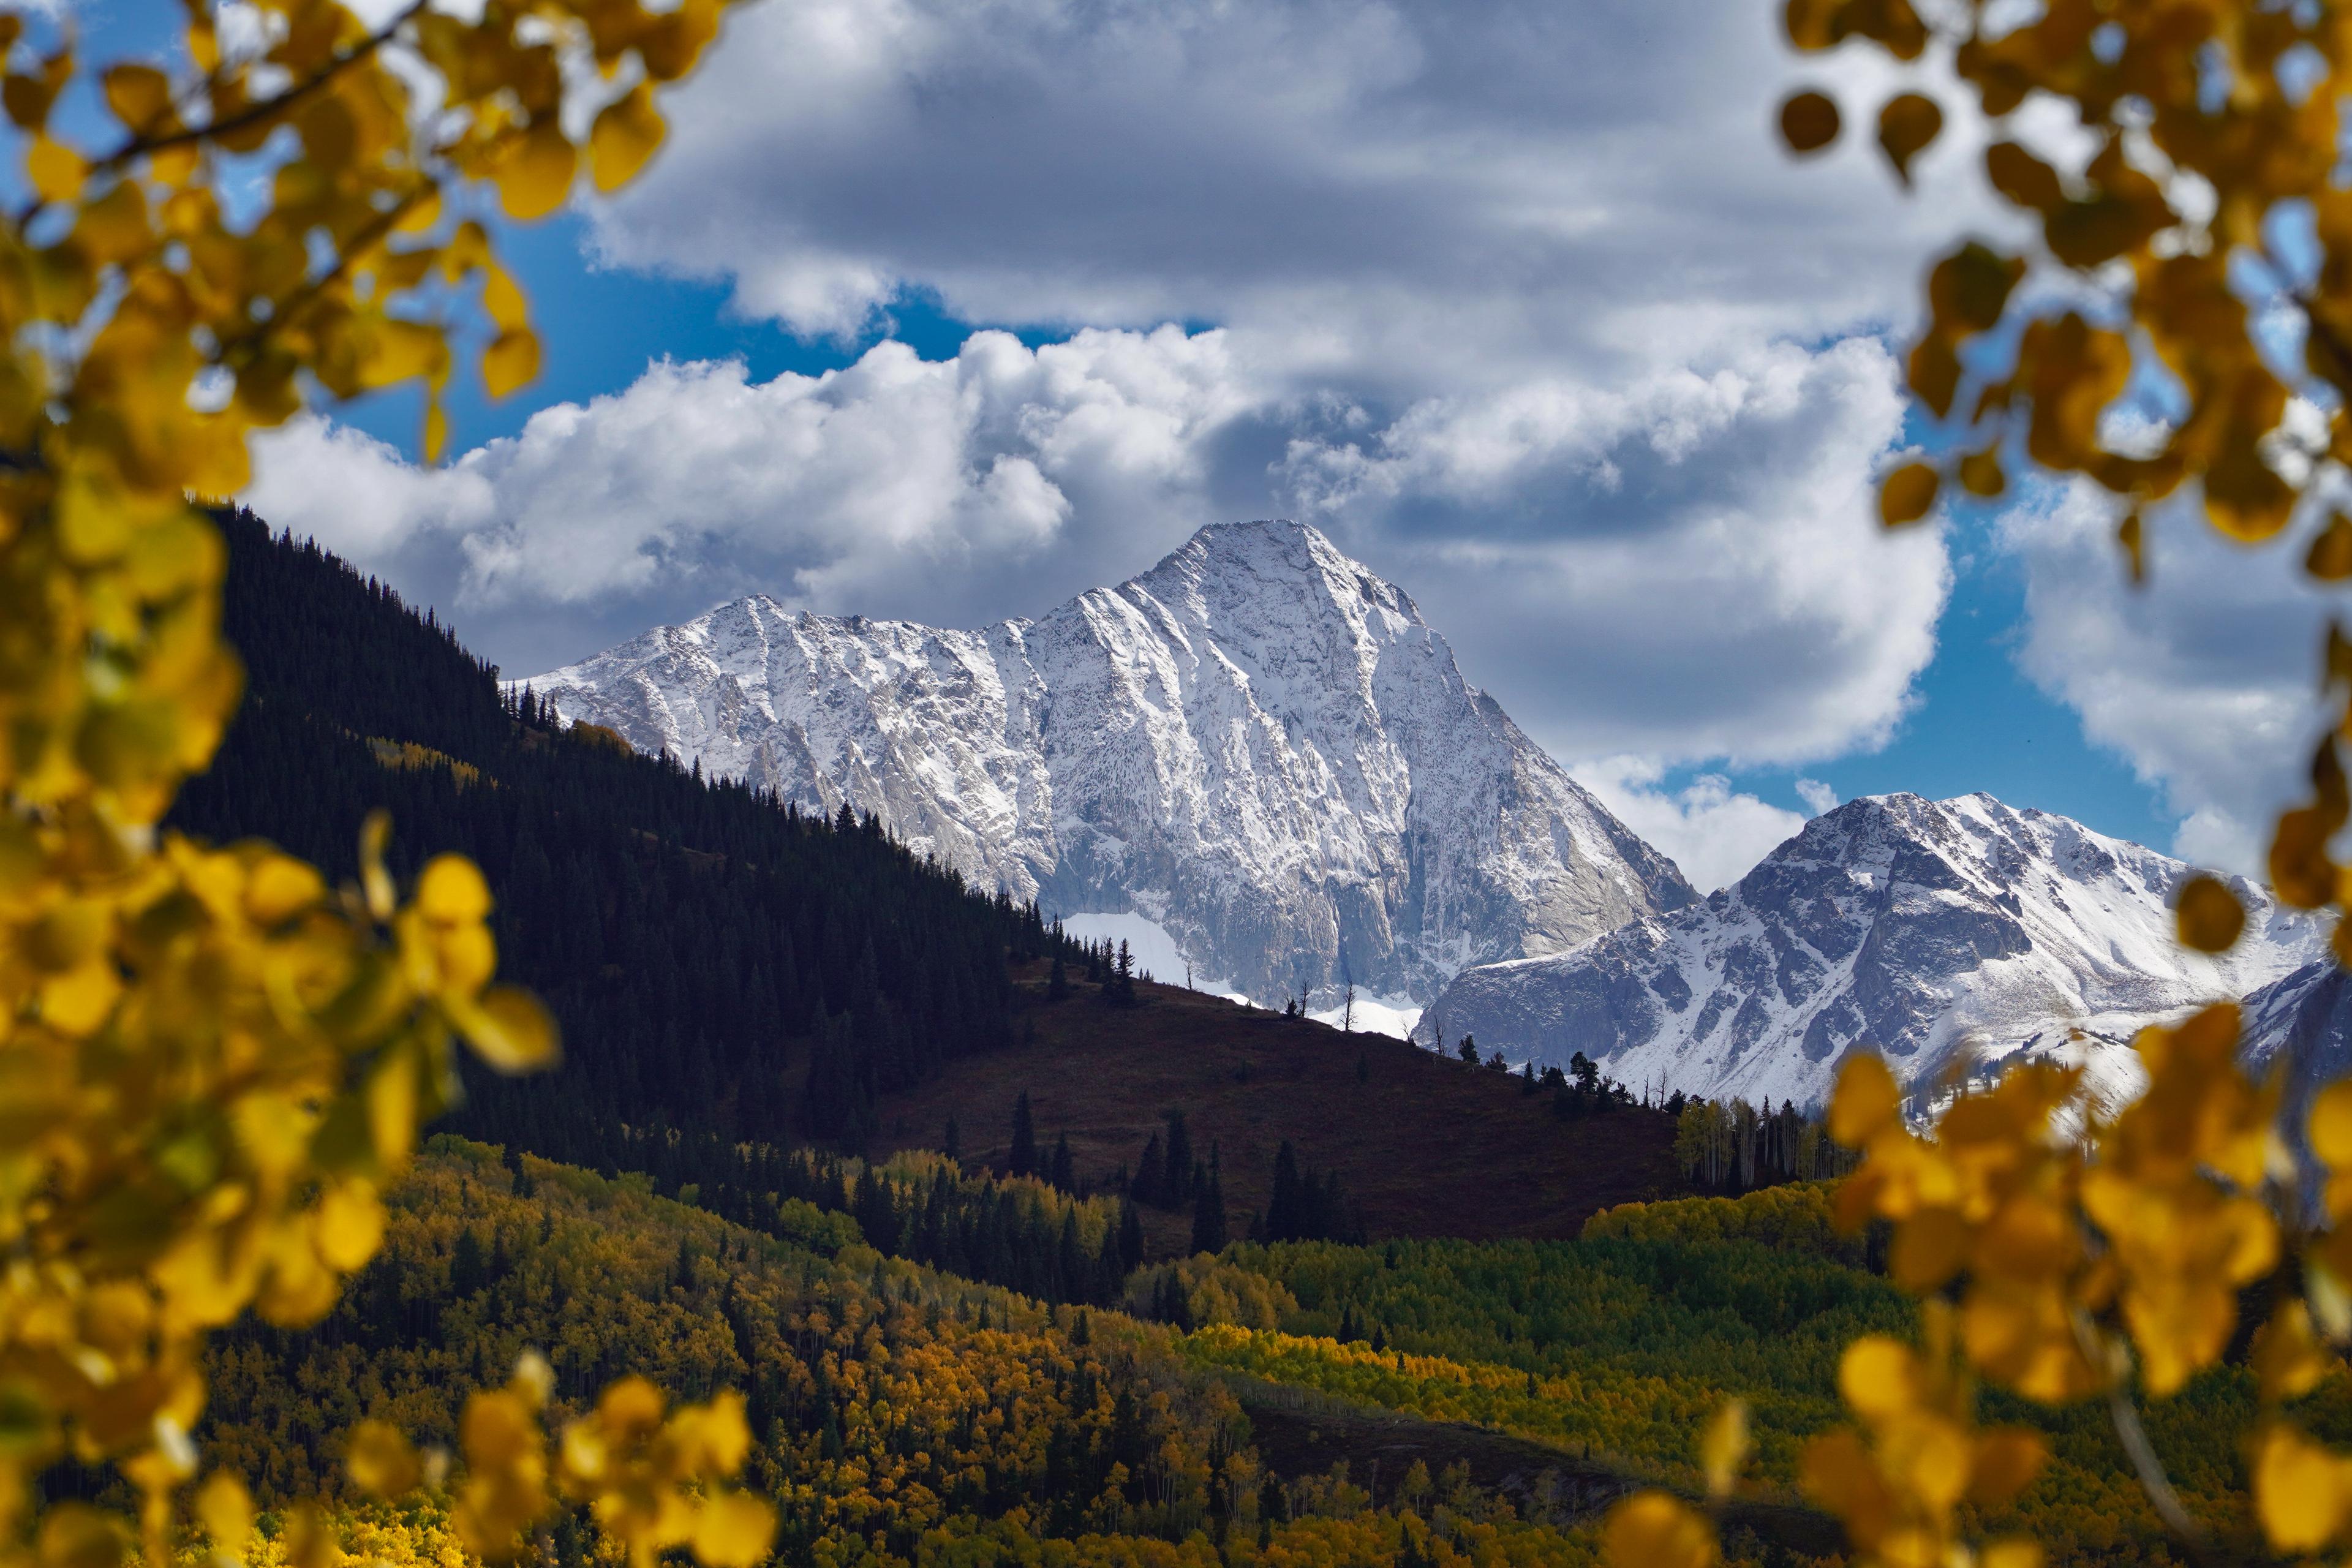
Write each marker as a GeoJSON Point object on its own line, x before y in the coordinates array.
{"type": "Point", "coordinates": [949, 309]}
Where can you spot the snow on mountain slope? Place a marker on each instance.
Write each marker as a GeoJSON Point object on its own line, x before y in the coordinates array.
{"type": "Point", "coordinates": [1257, 745]}
{"type": "Point", "coordinates": [1920, 929]}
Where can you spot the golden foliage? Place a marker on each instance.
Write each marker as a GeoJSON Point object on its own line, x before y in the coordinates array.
{"type": "Point", "coordinates": [212, 1062]}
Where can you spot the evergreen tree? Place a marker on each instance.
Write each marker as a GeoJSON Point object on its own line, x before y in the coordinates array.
{"type": "Point", "coordinates": [468, 1271]}
{"type": "Point", "coordinates": [1057, 984]}
{"type": "Point", "coordinates": [1150, 1174]}
{"type": "Point", "coordinates": [951, 1140]}
{"type": "Point", "coordinates": [1064, 1173]}
{"type": "Point", "coordinates": [1467, 1050]}
{"type": "Point", "coordinates": [1131, 1237]}
{"type": "Point", "coordinates": [1176, 1184]}
{"type": "Point", "coordinates": [1024, 1157]}
{"type": "Point", "coordinates": [1209, 1216]}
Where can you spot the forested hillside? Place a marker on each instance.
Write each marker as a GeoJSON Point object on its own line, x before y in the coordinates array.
{"type": "Point", "coordinates": [898, 1413]}
{"type": "Point", "coordinates": [683, 932]}
{"type": "Point", "coordinates": [745, 990]}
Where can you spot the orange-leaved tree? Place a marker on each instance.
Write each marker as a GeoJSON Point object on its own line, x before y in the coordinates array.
{"type": "Point", "coordinates": [211, 1061]}
{"type": "Point", "coordinates": [2199, 204]}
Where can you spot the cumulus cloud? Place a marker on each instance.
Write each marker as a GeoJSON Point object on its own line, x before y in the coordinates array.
{"type": "Point", "coordinates": [1819, 797]}
{"type": "Point", "coordinates": [1521, 302]}
{"type": "Point", "coordinates": [1373, 191]}
{"type": "Point", "coordinates": [1680, 570]}
{"type": "Point", "coordinates": [2204, 680]}
{"type": "Point", "coordinates": [1713, 833]}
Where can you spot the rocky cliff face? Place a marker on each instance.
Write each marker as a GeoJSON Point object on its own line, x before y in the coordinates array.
{"type": "Point", "coordinates": [1257, 745]}
{"type": "Point", "coordinates": [1924, 930]}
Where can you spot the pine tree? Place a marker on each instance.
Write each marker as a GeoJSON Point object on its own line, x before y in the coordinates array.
{"type": "Point", "coordinates": [1064, 1173]}
{"type": "Point", "coordinates": [1057, 984]}
{"type": "Point", "coordinates": [1130, 1236]}
{"type": "Point", "coordinates": [1150, 1174]}
{"type": "Point", "coordinates": [1285, 1209]}
{"type": "Point", "coordinates": [952, 1140]}
{"type": "Point", "coordinates": [1024, 1159]}
{"type": "Point", "coordinates": [1209, 1216]}
{"type": "Point", "coordinates": [1176, 1185]}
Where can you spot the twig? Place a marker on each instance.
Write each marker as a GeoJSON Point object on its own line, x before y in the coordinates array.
{"type": "Point", "coordinates": [2133, 1437]}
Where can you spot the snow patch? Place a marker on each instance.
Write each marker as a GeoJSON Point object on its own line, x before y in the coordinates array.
{"type": "Point", "coordinates": [1392, 1016]}
{"type": "Point", "coordinates": [1156, 952]}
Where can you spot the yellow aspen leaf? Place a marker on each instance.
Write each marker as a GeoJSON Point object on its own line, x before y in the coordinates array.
{"type": "Point", "coordinates": [1723, 1451]}
{"type": "Point", "coordinates": [2006, 1460]}
{"type": "Point", "coordinates": [1908, 123]}
{"type": "Point", "coordinates": [451, 892]}
{"type": "Point", "coordinates": [734, 1529]}
{"type": "Point", "coordinates": [1652, 1529]}
{"type": "Point", "coordinates": [533, 1378]}
{"type": "Point", "coordinates": [75, 1535]}
{"type": "Point", "coordinates": [2022, 178]}
{"type": "Point", "coordinates": [2299, 1492]}
{"type": "Point", "coordinates": [225, 1510]}
{"type": "Point", "coordinates": [350, 1226]}
{"type": "Point", "coordinates": [2208, 915]}
{"type": "Point", "coordinates": [1928, 1249]}
{"type": "Point", "coordinates": [280, 888]}
{"type": "Point", "coordinates": [1878, 1377]}
{"type": "Point", "coordinates": [113, 229]}
{"type": "Point", "coordinates": [2287, 1355]}
{"type": "Point", "coordinates": [2331, 1124]}
{"type": "Point", "coordinates": [2301, 872]}
{"type": "Point", "coordinates": [509, 1029]}
{"type": "Point", "coordinates": [2330, 559]}
{"type": "Point", "coordinates": [1970, 289]}
{"type": "Point", "coordinates": [380, 1461]}
{"type": "Point", "coordinates": [2014, 1552]}
{"type": "Point", "coordinates": [535, 174]}
{"type": "Point", "coordinates": [1981, 474]}
{"type": "Point", "coordinates": [77, 1003]}
{"type": "Point", "coordinates": [56, 169]}
{"type": "Point", "coordinates": [1813, 24]}
{"type": "Point", "coordinates": [437, 430]}
{"type": "Point", "coordinates": [1934, 372]}
{"type": "Point", "coordinates": [1908, 494]}
{"type": "Point", "coordinates": [421, 214]}
{"type": "Point", "coordinates": [512, 362]}
{"type": "Point", "coordinates": [626, 135]}
{"type": "Point", "coordinates": [139, 96]}
{"type": "Point", "coordinates": [391, 1107]}
{"type": "Point", "coordinates": [502, 297]}
{"type": "Point", "coordinates": [629, 1408]}
{"type": "Point", "coordinates": [403, 350]}
{"type": "Point", "coordinates": [1865, 1102]}
{"type": "Point", "coordinates": [1809, 121]}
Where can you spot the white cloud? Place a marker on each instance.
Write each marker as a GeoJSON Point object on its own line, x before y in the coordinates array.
{"type": "Point", "coordinates": [2205, 679]}
{"type": "Point", "coordinates": [1520, 301]}
{"type": "Point", "coordinates": [1375, 193]}
{"type": "Point", "coordinates": [1681, 571]}
{"type": "Point", "coordinates": [1818, 798]}
{"type": "Point", "coordinates": [1713, 833]}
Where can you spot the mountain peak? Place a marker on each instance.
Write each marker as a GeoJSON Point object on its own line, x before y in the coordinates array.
{"type": "Point", "coordinates": [1928, 931]}
{"type": "Point", "coordinates": [1256, 743]}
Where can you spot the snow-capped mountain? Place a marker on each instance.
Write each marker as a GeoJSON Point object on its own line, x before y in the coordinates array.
{"type": "Point", "coordinates": [1921, 929]}
{"type": "Point", "coordinates": [1257, 745]}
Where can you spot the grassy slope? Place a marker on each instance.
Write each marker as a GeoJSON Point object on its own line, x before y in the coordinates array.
{"type": "Point", "coordinates": [1425, 1146]}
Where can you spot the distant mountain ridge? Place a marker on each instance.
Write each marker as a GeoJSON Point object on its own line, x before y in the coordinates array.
{"type": "Point", "coordinates": [1257, 743]}
{"type": "Point", "coordinates": [1920, 929]}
